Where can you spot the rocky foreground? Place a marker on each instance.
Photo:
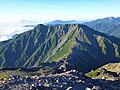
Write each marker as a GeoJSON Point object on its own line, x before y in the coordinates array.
{"type": "Point", "coordinates": [70, 80]}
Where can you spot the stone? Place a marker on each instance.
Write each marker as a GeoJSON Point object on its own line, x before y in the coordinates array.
{"type": "Point", "coordinates": [69, 88]}
{"type": "Point", "coordinates": [46, 85]}
{"type": "Point", "coordinates": [96, 88]}
{"type": "Point", "coordinates": [103, 77]}
{"type": "Point", "coordinates": [57, 81]}
{"type": "Point", "coordinates": [88, 88]}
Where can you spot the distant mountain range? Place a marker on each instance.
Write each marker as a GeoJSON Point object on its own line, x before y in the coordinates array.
{"type": "Point", "coordinates": [78, 46]}
{"type": "Point", "coordinates": [58, 22]}
{"type": "Point", "coordinates": [109, 25]}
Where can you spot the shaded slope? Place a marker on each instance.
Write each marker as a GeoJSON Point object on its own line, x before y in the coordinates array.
{"type": "Point", "coordinates": [79, 46]}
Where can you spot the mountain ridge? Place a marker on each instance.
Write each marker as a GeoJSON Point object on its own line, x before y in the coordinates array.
{"type": "Point", "coordinates": [60, 22]}
{"type": "Point", "coordinates": [108, 25]}
{"type": "Point", "coordinates": [76, 44]}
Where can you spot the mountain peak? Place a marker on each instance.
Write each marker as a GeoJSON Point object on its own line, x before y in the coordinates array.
{"type": "Point", "coordinates": [77, 45]}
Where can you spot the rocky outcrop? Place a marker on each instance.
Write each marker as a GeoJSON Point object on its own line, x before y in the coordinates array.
{"type": "Point", "coordinates": [104, 71]}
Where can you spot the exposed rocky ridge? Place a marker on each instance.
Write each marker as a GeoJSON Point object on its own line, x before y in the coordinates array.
{"type": "Point", "coordinates": [27, 79]}
{"type": "Point", "coordinates": [70, 80]}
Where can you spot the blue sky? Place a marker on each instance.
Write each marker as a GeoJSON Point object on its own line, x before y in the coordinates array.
{"type": "Point", "coordinates": [47, 10]}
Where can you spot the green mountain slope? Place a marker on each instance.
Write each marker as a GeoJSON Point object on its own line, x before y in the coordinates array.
{"type": "Point", "coordinates": [110, 26]}
{"type": "Point", "coordinates": [79, 46]}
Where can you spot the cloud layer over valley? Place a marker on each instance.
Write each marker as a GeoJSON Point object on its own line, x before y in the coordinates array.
{"type": "Point", "coordinates": [9, 29]}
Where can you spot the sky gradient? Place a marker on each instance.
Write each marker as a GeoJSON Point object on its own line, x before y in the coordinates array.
{"type": "Point", "coordinates": [47, 10]}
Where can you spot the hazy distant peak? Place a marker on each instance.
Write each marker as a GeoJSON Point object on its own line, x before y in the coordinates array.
{"type": "Point", "coordinates": [108, 25]}
{"type": "Point", "coordinates": [55, 22]}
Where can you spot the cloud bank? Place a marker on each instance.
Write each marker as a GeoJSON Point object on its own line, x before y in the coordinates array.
{"type": "Point", "coordinates": [9, 29]}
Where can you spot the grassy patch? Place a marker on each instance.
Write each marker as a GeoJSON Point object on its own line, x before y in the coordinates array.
{"type": "Point", "coordinates": [93, 74]}
{"type": "Point", "coordinates": [64, 51]}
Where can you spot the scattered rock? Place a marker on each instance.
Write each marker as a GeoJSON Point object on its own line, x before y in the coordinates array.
{"type": "Point", "coordinates": [70, 80]}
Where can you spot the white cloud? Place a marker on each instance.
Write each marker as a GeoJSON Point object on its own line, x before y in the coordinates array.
{"type": "Point", "coordinates": [3, 38]}
{"type": "Point", "coordinates": [9, 29]}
